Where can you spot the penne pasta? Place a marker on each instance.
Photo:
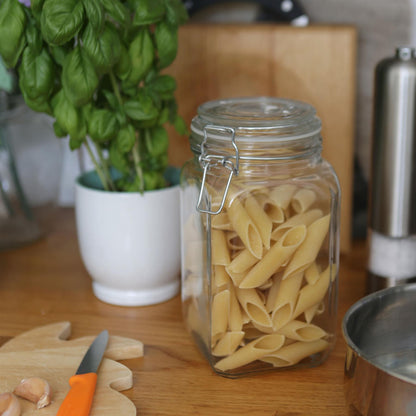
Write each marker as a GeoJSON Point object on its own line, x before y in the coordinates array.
{"type": "Point", "coordinates": [254, 307]}
{"type": "Point", "coordinates": [236, 278]}
{"type": "Point", "coordinates": [228, 343]}
{"type": "Point", "coordinates": [275, 257]}
{"type": "Point", "coordinates": [293, 353]}
{"type": "Point", "coordinates": [219, 249]}
{"type": "Point", "coordinates": [301, 331]}
{"type": "Point", "coordinates": [274, 211]}
{"type": "Point", "coordinates": [314, 310]}
{"type": "Point", "coordinates": [282, 195]}
{"type": "Point", "coordinates": [307, 218]}
{"type": "Point", "coordinates": [221, 222]}
{"type": "Point", "coordinates": [219, 315]}
{"type": "Point", "coordinates": [309, 249]}
{"type": "Point", "coordinates": [253, 351]}
{"type": "Point", "coordinates": [245, 228]}
{"type": "Point", "coordinates": [234, 242]}
{"type": "Point", "coordinates": [260, 219]}
{"type": "Point", "coordinates": [302, 200]}
{"type": "Point", "coordinates": [266, 285]}
{"type": "Point", "coordinates": [312, 273]}
{"type": "Point", "coordinates": [251, 332]}
{"type": "Point", "coordinates": [242, 262]}
{"type": "Point", "coordinates": [273, 293]}
{"type": "Point", "coordinates": [310, 295]}
{"type": "Point", "coordinates": [235, 315]}
{"type": "Point", "coordinates": [284, 306]}
{"type": "Point", "coordinates": [220, 277]}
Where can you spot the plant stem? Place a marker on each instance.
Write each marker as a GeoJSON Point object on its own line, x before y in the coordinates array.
{"type": "Point", "coordinates": [137, 167]}
{"type": "Point", "coordinates": [115, 88]}
{"type": "Point", "coordinates": [104, 165]}
{"type": "Point", "coordinates": [97, 166]}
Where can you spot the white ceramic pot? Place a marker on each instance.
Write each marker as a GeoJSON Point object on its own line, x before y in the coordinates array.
{"type": "Point", "coordinates": [129, 243]}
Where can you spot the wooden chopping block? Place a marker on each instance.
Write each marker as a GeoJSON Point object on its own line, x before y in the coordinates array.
{"type": "Point", "coordinates": [45, 352]}
{"type": "Point", "coordinates": [315, 64]}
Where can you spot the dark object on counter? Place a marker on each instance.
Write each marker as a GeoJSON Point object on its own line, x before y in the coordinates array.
{"type": "Point", "coordinates": [380, 376]}
{"type": "Point", "coordinates": [289, 11]}
{"type": "Point", "coordinates": [392, 219]}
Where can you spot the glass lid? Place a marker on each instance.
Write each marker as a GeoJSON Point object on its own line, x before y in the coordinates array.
{"type": "Point", "coordinates": [269, 117]}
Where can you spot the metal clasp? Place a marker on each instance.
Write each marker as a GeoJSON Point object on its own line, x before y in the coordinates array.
{"type": "Point", "coordinates": [208, 160]}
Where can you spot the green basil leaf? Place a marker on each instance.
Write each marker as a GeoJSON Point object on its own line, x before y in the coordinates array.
{"type": "Point", "coordinates": [36, 5]}
{"type": "Point", "coordinates": [153, 180]}
{"type": "Point", "coordinates": [59, 54]}
{"type": "Point", "coordinates": [86, 110]}
{"type": "Point", "coordinates": [111, 99]}
{"type": "Point", "coordinates": [40, 104]}
{"type": "Point", "coordinates": [141, 52]}
{"type": "Point", "coordinates": [61, 20]}
{"type": "Point", "coordinates": [95, 13]}
{"type": "Point", "coordinates": [166, 36]}
{"type": "Point", "coordinates": [133, 185]}
{"type": "Point", "coordinates": [154, 95]}
{"type": "Point", "coordinates": [36, 74]}
{"type": "Point", "coordinates": [103, 48]}
{"type": "Point", "coordinates": [163, 116]}
{"type": "Point", "coordinates": [123, 65]}
{"type": "Point", "coordinates": [164, 86]}
{"type": "Point", "coordinates": [79, 78]}
{"type": "Point", "coordinates": [176, 13]}
{"type": "Point", "coordinates": [116, 10]}
{"type": "Point", "coordinates": [34, 39]}
{"type": "Point", "coordinates": [68, 116]}
{"type": "Point", "coordinates": [181, 126]}
{"type": "Point", "coordinates": [59, 130]}
{"type": "Point", "coordinates": [148, 12]}
{"type": "Point", "coordinates": [118, 159]}
{"type": "Point", "coordinates": [141, 108]}
{"type": "Point", "coordinates": [126, 138]}
{"type": "Point", "coordinates": [151, 75]}
{"type": "Point", "coordinates": [75, 143]}
{"type": "Point", "coordinates": [129, 89]}
{"type": "Point", "coordinates": [12, 31]}
{"type": "Point", "coordinates": [159, 141]}
{"type": "Point", "coordinates": [102, 125]}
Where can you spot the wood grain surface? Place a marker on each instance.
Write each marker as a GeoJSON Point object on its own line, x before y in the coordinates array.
{"type": "Point", "coordinates": [46, 282]}
{"type": "Point", "coordinates": [315, 64]}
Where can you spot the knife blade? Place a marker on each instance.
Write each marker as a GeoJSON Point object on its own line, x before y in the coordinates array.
{"type": "Point", "coordinates": [78, 401]}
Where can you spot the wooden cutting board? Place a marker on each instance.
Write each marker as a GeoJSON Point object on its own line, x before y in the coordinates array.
{"type": "Point", "coordinates": [315, 64]}
{"type": "Point", "coordinates": [45, 352]}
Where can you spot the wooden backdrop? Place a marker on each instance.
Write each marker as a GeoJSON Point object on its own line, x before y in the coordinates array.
{"type": "Point", "coordinates": [315, 64]}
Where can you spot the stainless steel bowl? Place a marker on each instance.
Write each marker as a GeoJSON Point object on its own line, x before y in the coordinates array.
{"type": "Point", "coordinates": [380, 365]}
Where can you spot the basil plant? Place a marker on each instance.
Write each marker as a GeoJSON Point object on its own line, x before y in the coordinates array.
{"type": "Point", "coordinates": [95, 66]}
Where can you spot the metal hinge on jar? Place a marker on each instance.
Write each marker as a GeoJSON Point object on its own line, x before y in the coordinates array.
{"type": "Point", "coordinates": [207, 161]}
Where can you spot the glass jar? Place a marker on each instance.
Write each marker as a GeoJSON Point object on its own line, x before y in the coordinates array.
{"type": "Point", "coordinates": [260, 236]}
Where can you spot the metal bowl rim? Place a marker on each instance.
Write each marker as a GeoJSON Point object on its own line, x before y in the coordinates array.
{"type": "Point", "coordinates": [359, 304]}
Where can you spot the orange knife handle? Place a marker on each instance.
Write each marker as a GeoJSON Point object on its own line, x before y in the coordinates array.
{"type": "Point", "coordinates": [79, 398]}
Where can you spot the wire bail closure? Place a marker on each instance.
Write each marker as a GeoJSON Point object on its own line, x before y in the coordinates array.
{"type": "Point", "coordinates": [209, 160]}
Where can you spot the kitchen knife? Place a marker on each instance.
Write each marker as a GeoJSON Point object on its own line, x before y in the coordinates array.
{"type": "Point", "coordinates": [79, 398]}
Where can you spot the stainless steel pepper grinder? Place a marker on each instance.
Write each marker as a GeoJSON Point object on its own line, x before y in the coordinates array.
{"type": "Point", "coordinates": [392, 214]}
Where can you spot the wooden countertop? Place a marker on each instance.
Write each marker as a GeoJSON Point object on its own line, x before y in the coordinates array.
{"type": "Point", "coordinates": [46, 282]}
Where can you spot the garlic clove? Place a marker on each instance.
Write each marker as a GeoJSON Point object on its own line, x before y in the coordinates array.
{"type": "Point", "coordinates": [35, 389]}
{"type": "Point", "coordinates": [9, 405]}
